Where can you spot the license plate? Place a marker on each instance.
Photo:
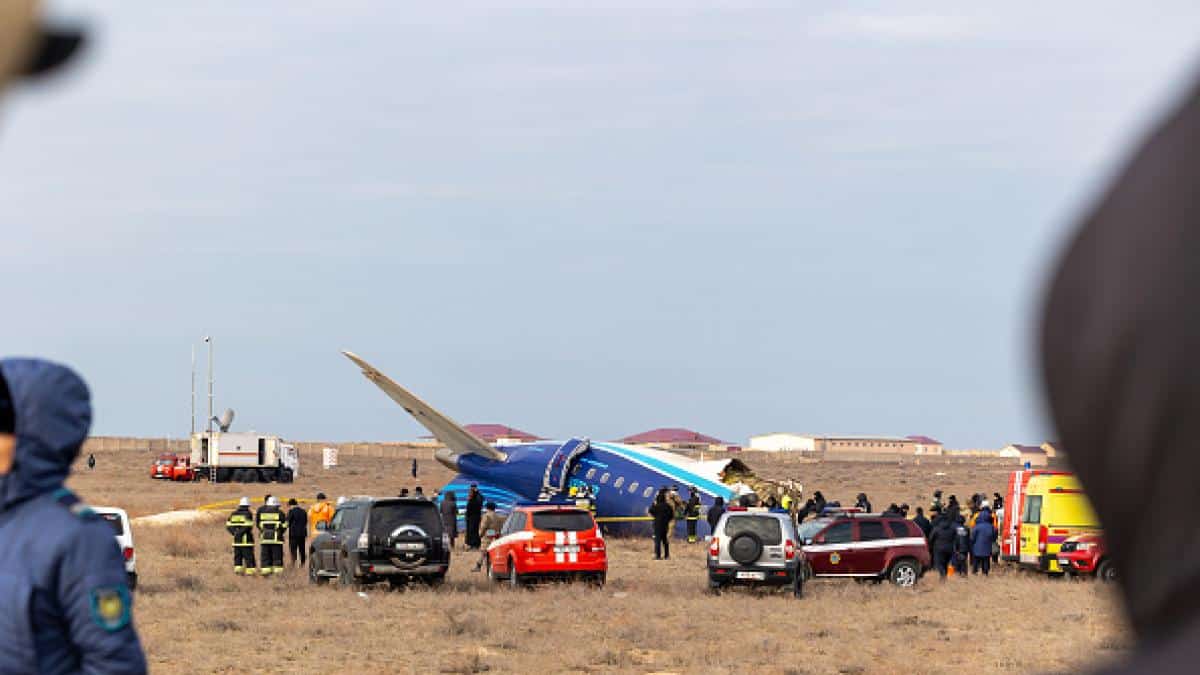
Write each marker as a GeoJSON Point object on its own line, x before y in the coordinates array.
{"type": "Point", "coordinates": [410, 547]}
{"type": "Point", "coordinates": [1064, 562]}
{"type": "Point", "coordinates": [571, 548]}
{"type": "Point", "coordinates": [756, 576]}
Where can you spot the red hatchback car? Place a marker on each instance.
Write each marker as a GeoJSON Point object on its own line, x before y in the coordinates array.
{"type": "Point", "coordinates": [865, 547]}
{"type": "Point", "coordinates": [548, 542]}
{"type": "Point", "coordinates": [1086, 554]}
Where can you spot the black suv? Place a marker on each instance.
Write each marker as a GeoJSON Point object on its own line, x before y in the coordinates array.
{"type": "Point", "coordinates": [370, 540]}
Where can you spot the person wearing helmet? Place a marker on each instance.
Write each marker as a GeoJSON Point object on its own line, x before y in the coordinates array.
{"type": "Point", "coordinates": [241, 525]}
{"type": "Point", "coordinates": [271, 525]}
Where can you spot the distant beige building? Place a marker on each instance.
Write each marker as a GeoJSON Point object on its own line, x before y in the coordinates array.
{"type": "Point", "coordinates": [858, 445]}
{"type": "Point", "coordinates": [1031, 454]}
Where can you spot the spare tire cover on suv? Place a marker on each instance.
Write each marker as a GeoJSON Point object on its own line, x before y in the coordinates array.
{"type": "Point", "coordinates": [746, 548]}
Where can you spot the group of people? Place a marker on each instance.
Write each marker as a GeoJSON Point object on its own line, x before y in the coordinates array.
{"type": "Point", "coordinates": [272, 523]}
{"type": "Point", "coordinates": [958, 536]}
{"type": "Point", "coordinates": [669, 506]}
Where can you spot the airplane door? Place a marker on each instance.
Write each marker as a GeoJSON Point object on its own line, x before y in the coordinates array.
{"type": "Point", "coordinates": [555, 478]}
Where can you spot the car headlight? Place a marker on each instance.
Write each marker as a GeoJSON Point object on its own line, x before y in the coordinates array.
{"type": "Point", "coordinates": [1084, 546]}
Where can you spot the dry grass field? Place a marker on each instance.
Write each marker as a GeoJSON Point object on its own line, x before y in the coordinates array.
{"type": "Point", "coordinates": [194, 616]}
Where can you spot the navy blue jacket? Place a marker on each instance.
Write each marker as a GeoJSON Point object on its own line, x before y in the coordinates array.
{"type": "Point", "coordinates": [983, 535]}
{"type": "Point", "coordinates": [64, 600]}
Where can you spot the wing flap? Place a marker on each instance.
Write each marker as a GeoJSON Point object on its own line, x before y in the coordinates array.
{"type": "Point", "coordinates": [451, 434]}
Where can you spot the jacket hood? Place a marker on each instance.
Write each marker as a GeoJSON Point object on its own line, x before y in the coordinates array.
{"type": "Point", "coordinates": [53, 413]}
{"type": "Point", "coordinates": [1121, 370]}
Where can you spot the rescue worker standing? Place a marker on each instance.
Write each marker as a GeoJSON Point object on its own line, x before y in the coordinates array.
{"type": "Point", "coordinates": [691, 511]}
{"type": "Point", "coordinates": [241, 525]}
{"type": "Point", "coordinates": [941, 543]}
{"type": "Point", "coordinates": [297, 532]}
{"type": "Point", "coordinates": [271, 526]}
{"type": "Point", "coordinates": [321, 512]}
{"type": "Point", "coordinates": [65, 595]}
{"type": "Point", "coordinates": [489, 531]}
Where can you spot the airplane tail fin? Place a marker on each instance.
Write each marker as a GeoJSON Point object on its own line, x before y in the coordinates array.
{"type": "Point", "coordinates": [458, 440]}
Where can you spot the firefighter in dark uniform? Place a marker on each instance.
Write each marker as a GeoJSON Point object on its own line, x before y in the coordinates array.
{"type": "Point", "coordinates": [241, 526]}
{"type": "Point", "coordinates": [271, 526]}
{"type": "Point", "coordinates": [691, 512]}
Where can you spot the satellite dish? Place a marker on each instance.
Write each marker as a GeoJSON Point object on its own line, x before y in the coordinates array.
{"type": "Point", "coordinates": [226, 420]}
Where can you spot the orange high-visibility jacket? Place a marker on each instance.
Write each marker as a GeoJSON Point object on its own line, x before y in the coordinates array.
{"type": "Point", "coordinates": [320, 512]}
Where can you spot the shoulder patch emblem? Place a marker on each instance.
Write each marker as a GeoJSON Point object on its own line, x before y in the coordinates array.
{"type": "Point", "coordinates": [111, 607]}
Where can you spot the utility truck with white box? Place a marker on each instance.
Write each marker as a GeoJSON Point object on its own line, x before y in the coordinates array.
{"type": "Point", "coordinates": [243, 457]}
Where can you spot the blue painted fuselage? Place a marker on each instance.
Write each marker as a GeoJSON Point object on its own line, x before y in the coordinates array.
{"type": "Point", "coordinates": [622, 479]}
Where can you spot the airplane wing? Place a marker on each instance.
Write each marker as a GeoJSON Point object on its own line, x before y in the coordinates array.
{"type": "Point", "coordinates": [450, 433]}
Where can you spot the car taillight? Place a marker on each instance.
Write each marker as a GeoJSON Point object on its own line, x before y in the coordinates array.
{"type": "Point", "coordinates": [363, 540]}
{"type": "Point", "coordinates": [789, 549]}
{"type": "Point", "coordinates": [127, 552]}
{"type": "Point", "coordinates": [1043, 534]}
{"type": "Point", "coordinates": [445, 541]}
{"type": "Point", "coordinates": [595, 545]}
{"type": "Point", "coordinates": [714, 547]}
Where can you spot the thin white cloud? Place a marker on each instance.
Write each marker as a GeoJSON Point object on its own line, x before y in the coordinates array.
{"type": "Point", "coordinates": [915, 27]}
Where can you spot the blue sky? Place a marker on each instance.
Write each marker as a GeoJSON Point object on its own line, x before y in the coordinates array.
{"type": "Point", "coordinates": [582, 219]}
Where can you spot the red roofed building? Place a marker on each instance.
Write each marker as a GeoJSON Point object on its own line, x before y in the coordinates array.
{"type": "Point", "coordinates": [499, 434]}
{"type": "Point", "coordinates": [925, 445]}
{"type": "Point", "coordinates": [675, 439]}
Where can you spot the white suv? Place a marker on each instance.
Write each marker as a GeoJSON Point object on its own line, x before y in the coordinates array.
{"type": "Point", "coordinates": [119, 520]}
{"type": "Point", "coordinates": [755, 548]}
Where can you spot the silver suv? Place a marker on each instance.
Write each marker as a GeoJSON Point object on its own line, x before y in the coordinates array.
{"type": "Point", "coordinates": [755, 548]}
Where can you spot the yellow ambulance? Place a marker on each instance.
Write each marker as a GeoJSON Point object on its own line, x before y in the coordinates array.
{"type": "Point", "coordinates": [1054, 509]}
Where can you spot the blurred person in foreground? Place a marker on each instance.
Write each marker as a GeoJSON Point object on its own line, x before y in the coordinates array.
{"type": "Point", "coordinates": [1120, 346]}
{"type": "Point", "coordinates": [65, 605]}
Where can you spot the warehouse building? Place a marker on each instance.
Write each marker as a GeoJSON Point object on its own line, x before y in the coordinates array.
{"type": "Point", "coordinates": [832, 445]}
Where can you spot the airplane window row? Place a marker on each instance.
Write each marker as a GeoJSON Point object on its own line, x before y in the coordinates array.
{"type": "Point", "coordinates": [591, 474]}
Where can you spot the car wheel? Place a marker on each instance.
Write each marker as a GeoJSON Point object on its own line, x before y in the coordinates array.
{"type": "Point", "coordinates": [1107, 571]}
{"type": "Point", "coordinates": [314, 576]}
{"type": "Point", "coordinates": [436, 580]}
{"type": "Point", "coordinates": [514, 579]}
{"type": "Point", "coordinates": [132, 580]}
{"type": "Point", "coordinates": [397, 583]}
{"type": "Point", "coordinates": [714, 587]}
{"type": "Point", "coordinates": [798, 587]}
{"type": "Point", "coordinates": [600, 579]}
{"type": "Point", "coordinates": [491, 573]}
{"type": "Point", "coordinates": [904, 574]}
{"type": "Point", "coordinates": [345, 579]}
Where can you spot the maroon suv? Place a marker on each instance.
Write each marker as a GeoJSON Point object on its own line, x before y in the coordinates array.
{"type": "Point", "coordinates": [865, 547]}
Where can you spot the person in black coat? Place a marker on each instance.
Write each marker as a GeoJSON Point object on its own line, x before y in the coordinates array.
{"type": "Point", "coordinates": [663, 514]}
{"type": "Point", "coordinates": [863, 503]}
{"type": "Point", "coordinates": [297, 532]}
{"type": "Point", "coordinates": [962, 544]}
{"type": "Point", "coordinates": [414, 467]}
{"type": "Point", "coordinates": [449, 511]}
{"type": "Point", "coordinates": [941, 544]}
{"type": "Point", "coordinates": [922, 522]}
{"type": "Point", "coordinates": [818, 503]}
{"type": "Point", "coordinates": [473, 516]}
{"type": "Point", "coordinates": [715, 513]}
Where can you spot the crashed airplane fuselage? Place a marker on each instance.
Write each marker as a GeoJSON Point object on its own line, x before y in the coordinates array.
{"type": "Point", "coordinates": [622, 479]}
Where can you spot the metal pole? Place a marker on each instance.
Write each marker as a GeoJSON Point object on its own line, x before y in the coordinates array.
{"type": "Point", "coordinates": [193, 391]}
{"type": "Point", "coordinates": [210, 389]}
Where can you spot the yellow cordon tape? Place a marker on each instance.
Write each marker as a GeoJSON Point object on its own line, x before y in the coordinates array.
{"type": "Point", "coordinates": [232, 503]}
